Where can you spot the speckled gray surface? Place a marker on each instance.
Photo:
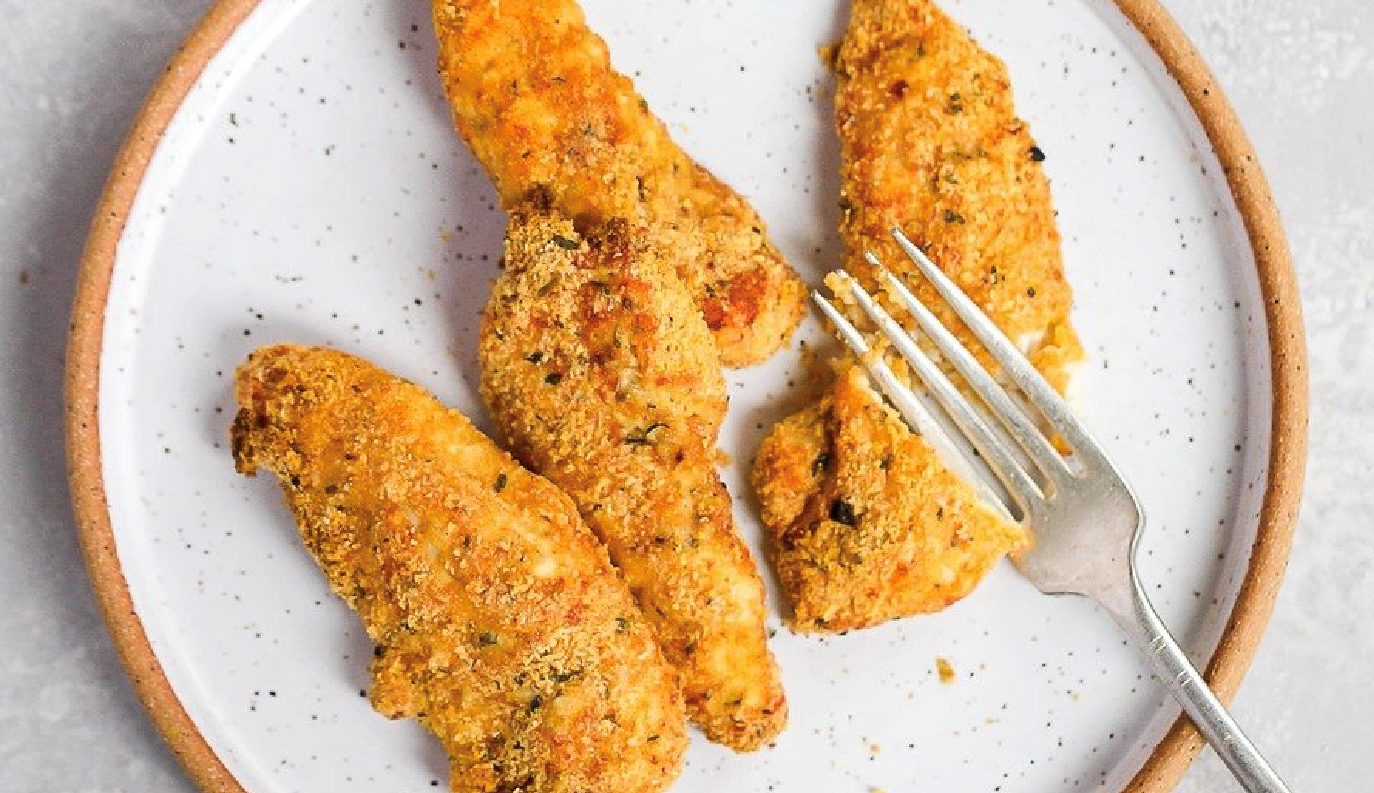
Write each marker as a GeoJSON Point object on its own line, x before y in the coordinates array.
{"type": "Point", "coordinates": [1301, 75]}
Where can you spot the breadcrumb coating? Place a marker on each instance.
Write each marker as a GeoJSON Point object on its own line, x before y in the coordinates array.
{"type": "Point", "coordinates": [866, 524]}
{"type": "Point", "coordinates": [536, 98]}
{"type": "Point", "coordinates": [499, 621]}
{"type": "Point", "coordinates": [930, 143]}
{"type": "Point", "coordinates": [604, 379]}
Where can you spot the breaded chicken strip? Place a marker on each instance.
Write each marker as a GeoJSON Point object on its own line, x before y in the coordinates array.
{"type": "Point", "coordinates": [604, 378]}
{"type": "Point", "coordinates": [537, 100]}
{"type": "Point", "coordinates": [930, 144]}
{"type": "Point", "coordinates": [500, 623]}
{"type": "Point", "coordinates": [865, 523]}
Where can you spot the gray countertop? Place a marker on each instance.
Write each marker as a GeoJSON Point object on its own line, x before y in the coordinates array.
{"type": "Point", "coordinates": [72, 77]}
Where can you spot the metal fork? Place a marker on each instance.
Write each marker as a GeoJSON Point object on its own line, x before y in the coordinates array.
{"type": "Point", "coordinates": [1085, 519]}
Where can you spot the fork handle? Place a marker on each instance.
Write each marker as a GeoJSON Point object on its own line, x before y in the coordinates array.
{"type": "Point", "coordinates": [1192, 692]}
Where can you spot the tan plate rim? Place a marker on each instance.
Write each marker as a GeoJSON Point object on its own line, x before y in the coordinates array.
{"type": "Point", "coordinates": [1287, 457]}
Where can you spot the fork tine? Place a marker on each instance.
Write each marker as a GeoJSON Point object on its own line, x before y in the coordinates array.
{"type": "Point", "coordinates": [968, 418]}
{"type": "Point", "coordinates": [916, 414]}
{"type": "Point", "coordinates": [1005, 353]}
{"type": "Point", "coordinates": [1017, 424]}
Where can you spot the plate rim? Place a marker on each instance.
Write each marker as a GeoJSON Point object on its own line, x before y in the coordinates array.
{"type": "Point", "coordinates": [1255, 598]}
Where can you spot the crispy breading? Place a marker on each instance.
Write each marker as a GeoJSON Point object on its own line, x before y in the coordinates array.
{"type": "Point", "coordinates": [866, 524]}
{"type": "Point", "coordinates": [604, 379]}
{"type": "Point", "coordinates": [930, 143]}
{"type": "Point", "coordinates": [536, 98]}
{"type": "Point", "coordinates": [499, 621]}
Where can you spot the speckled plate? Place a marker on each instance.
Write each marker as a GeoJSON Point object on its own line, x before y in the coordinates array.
{"type": "Point", "coordinates": [295, 178]}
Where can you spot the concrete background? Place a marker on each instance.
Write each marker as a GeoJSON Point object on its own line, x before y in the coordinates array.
{"type": "Point", "coordinates": [72, 77]}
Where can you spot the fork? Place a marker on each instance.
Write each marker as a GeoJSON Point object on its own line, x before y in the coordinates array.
{"type": "Point", "coordinates": [1085, 519]}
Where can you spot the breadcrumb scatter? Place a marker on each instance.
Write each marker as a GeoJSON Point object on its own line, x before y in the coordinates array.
{"type": "Point", "coordinates": [944, 669]}
{"type": "Point", "coordinates": [865, 522]}
{"type": "Point", "coordinates": [499, 621]}
{"type": "Point", "coordinates": [536, 98]}
{"type": "Point", "coordinates": [603, 378]}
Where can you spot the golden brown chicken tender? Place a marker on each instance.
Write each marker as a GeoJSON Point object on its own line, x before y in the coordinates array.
{"type": "Point", "coordinates": [535, 97]}
{"type": "Point", "coordinates": [604, 378]}
{"type": "Point", "coordinates": [930, 144]}
{"type": "Point", "coordinates": [499, 621]}
{"type": "Point", "coordinates": [866, 524]}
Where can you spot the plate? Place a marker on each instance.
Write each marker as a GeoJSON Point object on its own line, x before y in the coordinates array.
{"type": "Point", "coordinates": [295, 177]}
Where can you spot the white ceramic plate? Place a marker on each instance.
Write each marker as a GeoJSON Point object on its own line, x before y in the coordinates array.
{"type": "Point", "coordinates": [310, 188]}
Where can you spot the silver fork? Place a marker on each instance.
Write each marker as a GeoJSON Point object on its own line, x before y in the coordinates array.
{"type": "Point", "coordinates": [1085, 519]}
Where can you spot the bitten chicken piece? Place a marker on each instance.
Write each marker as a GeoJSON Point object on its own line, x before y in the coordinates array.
{"type": "Point", "coordinates": [604, 378]}
{"type": "Point", "coordinates": [535, 97]}
{"type": "Point", "coordinates": [929, 143]}
{"type": "Point", "coordinates": [499, 621]}
{"type": "Point", "coordinates": [866, 524]}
